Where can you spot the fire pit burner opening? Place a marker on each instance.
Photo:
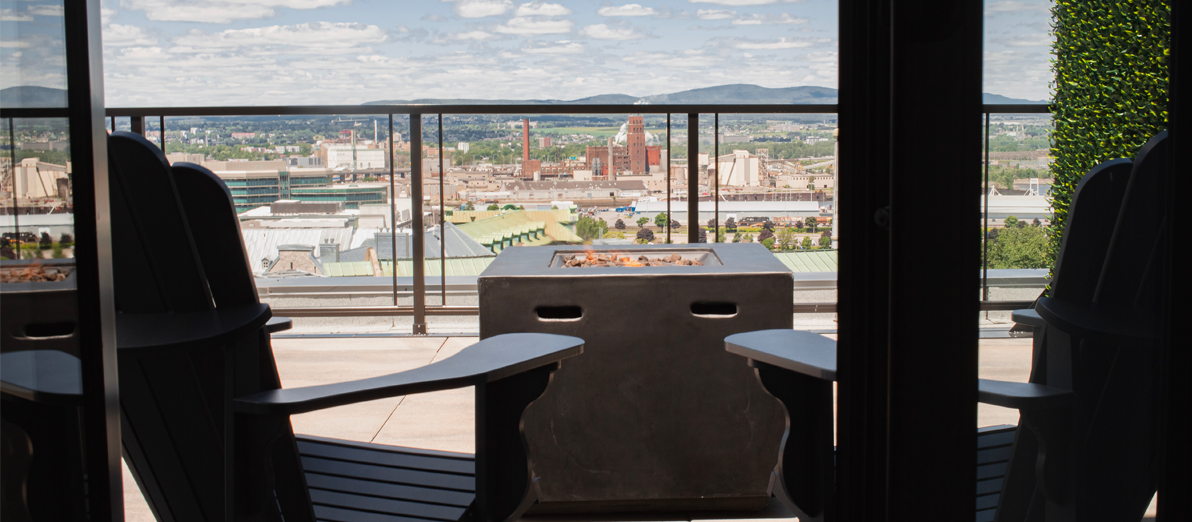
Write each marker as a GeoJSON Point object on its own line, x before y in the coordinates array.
{"type": "Point", "coordinates": [634, 258]}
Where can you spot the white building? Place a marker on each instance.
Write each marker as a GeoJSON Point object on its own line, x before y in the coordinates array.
{"type": "Point", "coordinates": [739, 169]}
{"type": "Point", "coordinates": [463, 146]}
{"type": "Point", "coordinates": [341, 155]}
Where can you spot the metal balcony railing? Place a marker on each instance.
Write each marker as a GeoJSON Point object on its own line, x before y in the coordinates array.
{"type": "Point", "coordinates": [415, 290]}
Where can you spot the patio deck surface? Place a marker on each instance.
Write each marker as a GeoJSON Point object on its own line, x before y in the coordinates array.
{"type": "Point", "coordinates": [444, 420]}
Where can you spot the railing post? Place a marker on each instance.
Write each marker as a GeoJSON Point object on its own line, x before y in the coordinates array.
{"type": "Point", "coordinates": [692, 178]}
{"type": "Point", "coordinates": [416, 228]}
{"type": "Point", "coordinates": [716, 190]}
{"type": "Point", "coordinates": [985, 224]}
{"type": "Point", "coordinates": [669, 170]}
{"type": "Point", "coordinates": [442, 223]}
{"type": "Point", "coordinates": [393, 207]}
{"type": "Point", "coordinates": [137, 124]}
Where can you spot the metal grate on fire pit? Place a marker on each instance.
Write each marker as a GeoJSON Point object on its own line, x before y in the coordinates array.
{"type": "Point", "coordinates": [703, 257]}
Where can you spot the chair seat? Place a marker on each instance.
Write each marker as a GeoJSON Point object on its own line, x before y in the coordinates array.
{"type": "Point", "coordinates": [352, 481]}
{"type": "Point", "coordinates": [993, 459]}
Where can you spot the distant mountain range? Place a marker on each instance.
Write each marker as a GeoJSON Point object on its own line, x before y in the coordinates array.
{"type": "Point", "coordinates": [723, 94]}
{"type": "Point", "coordinates": [27, 96]}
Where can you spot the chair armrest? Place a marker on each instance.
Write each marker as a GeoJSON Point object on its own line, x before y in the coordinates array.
{"type": "Point", "coordinates": [803, 352]}
{"type": "Point", "coordinates": [154, 332]}
{"type": "Point", "coordinates": [1028, 317]}
{"type": "Point", "coordinates": [489, 360]}
{"type": "Point", "coordinates": [278, 324]}
{"type": "Point", "coordinates": [1100, 322]}
{"type": "Point", "coordinates": [1021, 395]}
{"type": "Point", "coordinates": [42, 376]}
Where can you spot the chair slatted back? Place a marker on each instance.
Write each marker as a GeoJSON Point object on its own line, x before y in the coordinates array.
{"type": "Point", "coordinates": [1137, 235]}
{"type": "Point", "coordinates": [155, 263]}
{"type": "Point", "coordinates": [207, 200]}
{"type": "Point", "coordinates": [1088, 229]}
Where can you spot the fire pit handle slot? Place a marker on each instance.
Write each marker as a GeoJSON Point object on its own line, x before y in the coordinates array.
{"type": "Point", "coordinates": [559, 313]}
{"type": "Point", "coordinates": [49, 330]}
{"type": "Point", "coordinates": [720, 309]}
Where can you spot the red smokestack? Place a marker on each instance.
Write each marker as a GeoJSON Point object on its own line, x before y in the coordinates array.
{"type": "Point", "coordinates": [525, 140]}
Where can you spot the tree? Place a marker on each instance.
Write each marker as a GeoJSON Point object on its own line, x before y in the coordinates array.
{"type": "Point", "coordinates": [674, 224]}
{"type": "Point", "coordinates": [1010, 222]}
{"type": "Point", "coordinates": [799, 224]}
{"type": "Point", "coordinates": [494, 206]}
{"type": "Point", "coordinates": [812, 223]}
{"type": "Point", "coordinates": [46, 241]}
{"type": "Point", "coordinates": [641, 222]}
{"type": "Point", "coordinates": [645, 235]}
{"type": "Point", "coordinates": [786, 237]}
{"type": "Point", "coordinates": [468, 206]}
{"type": "Point", "coordinates": [730, 224]}
{"type": "Point", "coordinates": [747, 238]}
{"type": "Point", "coordinates": [511, 207]}
{"type": "Point", "coordinates": [736, 238]}
{"type": "Point", "coordinates": [7, 252]}
{"type": "Point", "coordinates": [768, 225]}
{"type": "Point", "coordinates": [766, 234]}
{"type": "Point", "coordinates": [619, 224]}
{"type": "Point", "coordinates": [768, 243]}
{"type": "Point", "coordinates": [1036, 223]}
{"type": "Point", "coordinates": [712, 223]}
{"type": "Point", "coordinates": [720, 236]}
{"type": "Point", "coordinates": [806, 242]}
{"type": "Point", "coordinates": [661, 220]}
{"type": "Point", "coordinates": [1019, 247]}
{"type": "Point", "coordinates": [703, 236]}
{"type": "Point", "coordinates": [589, 228]}
{"type": "Point", "coordinates": [66, 239]}
{"type": "Point", "coordinates": [825, 240]}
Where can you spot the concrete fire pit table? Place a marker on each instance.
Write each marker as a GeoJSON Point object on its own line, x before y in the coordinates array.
{"type": "Point", "coordinates": [655, 415]}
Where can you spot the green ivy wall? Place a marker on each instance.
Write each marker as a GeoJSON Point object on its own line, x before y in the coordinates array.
{"type": "Point", "coordinates": [1110, 91]}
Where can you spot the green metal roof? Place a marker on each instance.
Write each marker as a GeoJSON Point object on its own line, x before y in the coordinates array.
{"type": "Point", "coordinates": [507, 225]}
{"type": "Point", "coordinates": [809, 261]}
{"type": "Point", "coordinates": [456, 266]}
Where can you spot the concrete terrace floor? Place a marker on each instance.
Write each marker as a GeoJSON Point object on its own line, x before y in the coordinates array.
{"type": "Point", "coordinates": [444, 420]}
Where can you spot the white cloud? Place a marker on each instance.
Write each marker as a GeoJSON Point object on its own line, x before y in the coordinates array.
{"type": "Point", "coordinates": [715, 14]}
{"type": "Point", "coordinates": [746, 2]}
{"type": "Point", "coordinates": [45, 10]}
{"type": "Point", "coordinates": [321, 37]}
{"type": "Point", "coordinates": [542, 9]}
{"type": "Point", "coordinates": [473, 36]}
{"type": "Point", "coordinates": [218, 11]}
{"type": "Point", "coordinates": [480, 8]}
{"type": "Point", "coordinates": [1019, 73]}
{"type": "Point", "coordinates": [560, 47]}
{"type": "Point", "coordinates": [12, 15]}
{"type": "Point", "coordinates": [14, 44]}
{"type": "Point", "coordinates": [627, 10]}
{"type": "Point", "coordinates": [1025, 40]}
{"type": "Point", "coordinates": [1013, 6]}
{"type": "Point", "coordinates": [523, 26]}
{"type": "Point", "coordinates": [604, 32]}
{"type": "Point", "coordinates": [781, 43]}
{"type": "Point", "coordinates": [116, 35]}
{"type": "Point", "coordinates": [763, 19]}
{"type": "Point", "coordinates": [106, 15]}
{"type": "Point", "coordinates": [433, 18]}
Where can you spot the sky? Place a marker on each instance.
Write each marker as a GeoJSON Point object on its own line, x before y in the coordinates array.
{"type": "Point", "coordinates": [327, 52]}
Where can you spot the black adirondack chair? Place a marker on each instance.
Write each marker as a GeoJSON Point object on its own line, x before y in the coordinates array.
{"type": "Point", "coordinates": [205, 424]}
{"type": "Point", "coordinates": [41, 402]}
{"type": "Point", "coordinates": [1089, 450]}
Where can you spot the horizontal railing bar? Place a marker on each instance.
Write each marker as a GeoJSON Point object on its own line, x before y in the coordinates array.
{"type": "Point", "coordinates": [389, 311]}
{"type": "Point", "coordinates": [364, 110]}
{"type": "Point", "coordinates": [42, 112]}
{"type": "Point", "coordinates": [361, 110]}
{"type": "Point", "coordinates": [1004, 306]}
{"type": "Point", "coordinates": [371, 311]}
{"type": "Point", "coordinates": [1017, 108]}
